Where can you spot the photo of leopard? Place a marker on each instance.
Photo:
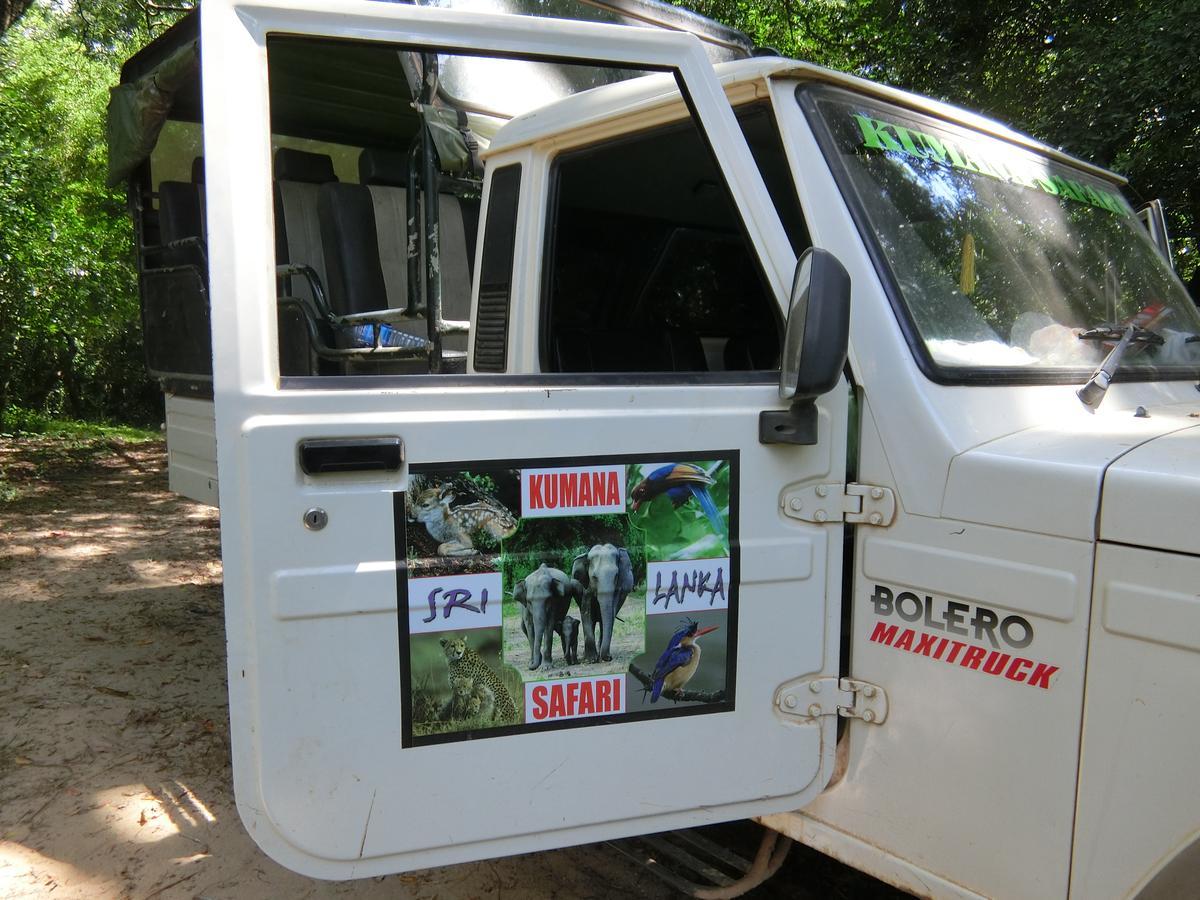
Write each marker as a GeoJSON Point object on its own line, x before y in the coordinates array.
{"type": "Point", "coordinates": [459, 706]}
{"type": "Point", "coordinates": [465, 664]}
{"type": "Point", "coordinates": [469, 699]}
{"type": "Point", "coordinates": [461, 684]}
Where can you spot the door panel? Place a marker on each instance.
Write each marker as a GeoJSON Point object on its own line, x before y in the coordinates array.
{"type": "Point", "coordinates": [1136, 819]}
{"type": "Point", "coordinates": [334, 777]}
{"type": "Point", "coordinates": [325, 661]}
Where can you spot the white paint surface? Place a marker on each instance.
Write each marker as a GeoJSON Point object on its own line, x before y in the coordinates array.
{"type": "Point", "coordinates": [322, 782]}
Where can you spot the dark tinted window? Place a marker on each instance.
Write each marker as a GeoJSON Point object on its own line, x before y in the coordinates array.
{"type": "Point", "coordinates": [649, 269]}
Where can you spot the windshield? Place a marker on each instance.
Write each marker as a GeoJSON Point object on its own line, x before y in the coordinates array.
{"type": "Point", "coordinates": [1004, 258]}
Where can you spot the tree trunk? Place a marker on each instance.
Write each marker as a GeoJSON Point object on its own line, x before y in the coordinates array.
{"type": "Point", "coordinates": [10, 11]}
{"type": "Point", "coordinates": [70, 380]}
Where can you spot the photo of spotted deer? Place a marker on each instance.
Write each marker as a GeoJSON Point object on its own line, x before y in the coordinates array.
{"type": "Point", "coordinates": [453, 526]}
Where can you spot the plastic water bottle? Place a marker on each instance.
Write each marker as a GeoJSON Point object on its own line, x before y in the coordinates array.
{"type": "Point", "coordinates": [364, 336]}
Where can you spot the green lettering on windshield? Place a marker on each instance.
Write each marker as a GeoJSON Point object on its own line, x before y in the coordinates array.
{"type": "Point", "coordinates": [1068, 188]}
{"type": "Point", "coordinates": [889, 137]}
{"type": "Point", "coordinates": [875, 135]}
{"type": "Point", "coordinates": [906, 140]}
{"type": "Point", "coordinates": [933, 146]}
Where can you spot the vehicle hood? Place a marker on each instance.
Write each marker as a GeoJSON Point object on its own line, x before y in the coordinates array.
{"type": "Point", "coordinates": [1152, 495]}
{"type": "Point", "coordinates": [1137, 477]}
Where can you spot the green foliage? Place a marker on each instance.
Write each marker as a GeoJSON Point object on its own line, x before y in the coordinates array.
{"type": "Point", "coordinates": [682, 532]}
{"type": "Point", "coordinates": [70, 338]}
{"type": "Point", "coordinates": [557, 541]}
{"type": "Point", "coordinates": [485, 483]}
{"type": "Point", "coordinates": [18, 421]}
{"type": "Point", "coordinates": [1111, 81]}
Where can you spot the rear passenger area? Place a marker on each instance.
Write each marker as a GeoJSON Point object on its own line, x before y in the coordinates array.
{"type": "Point", "coordinates": [376, 184]}
{"type": "Point", "coordinates": [351, 301]}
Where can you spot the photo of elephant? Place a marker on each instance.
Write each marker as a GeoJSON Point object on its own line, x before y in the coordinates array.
{"type": "Point", "coordinates": [545, 596]}
{"type": "Point", "coordinates": [597, 611]}
{"type": "Point", "coordinates": [606, 574]}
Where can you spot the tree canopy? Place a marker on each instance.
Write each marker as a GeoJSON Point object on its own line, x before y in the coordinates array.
{"type": "Point", "coordinates": [69, 324]}
{"type": "Point", "coordinates": [1112, 82]}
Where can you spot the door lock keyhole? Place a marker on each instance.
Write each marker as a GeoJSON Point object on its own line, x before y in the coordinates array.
{"type": "Point", "coordinates": [316, 519]}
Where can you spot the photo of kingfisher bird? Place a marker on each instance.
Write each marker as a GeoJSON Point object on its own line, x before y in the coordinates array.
{"type": "Point", "coordinates": [679, 661]}
{"type": "Point", "coordinates": [681, 482]}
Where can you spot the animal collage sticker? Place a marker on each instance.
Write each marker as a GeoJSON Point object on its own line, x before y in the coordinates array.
{"type": "Point", "coordinates": [564, 593]}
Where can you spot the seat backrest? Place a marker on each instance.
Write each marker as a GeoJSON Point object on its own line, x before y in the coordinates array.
{"type": "Point", "coordinates": [175, 317]}
{"type": "Point", "coordinates": [298, 179]}
{"type": "Point", "coordinates": [355, 280]}
{"type": "Point", "coordinates": [455, 258]}
{"type": "Point", "coordinates": [385, 173]}
{"type": "Point", "coordinates": [180, 216]}
{"type": "Point", "coordinates": [752, 352]}
{"type": "Point", "coordinates": [198, 181]}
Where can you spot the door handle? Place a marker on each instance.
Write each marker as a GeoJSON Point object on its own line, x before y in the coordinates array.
{"type": "Point", "coordinates": [325, 456]}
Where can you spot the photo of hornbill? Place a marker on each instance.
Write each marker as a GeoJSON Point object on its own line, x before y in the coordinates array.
{"type": "Point", "coordinates": [679, 661]}
{"type": "Point", "coordinates": [680, 482]}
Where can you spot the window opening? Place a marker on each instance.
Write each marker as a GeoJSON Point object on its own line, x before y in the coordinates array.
{"type": "Point", "coordinates": [367, 151]}
{"type": "Point", "coordinates": [377, 270]}
{"type": "Point", "coordinates": [649, 269]}
{"type": "Point", "coordinates": [761, 131]}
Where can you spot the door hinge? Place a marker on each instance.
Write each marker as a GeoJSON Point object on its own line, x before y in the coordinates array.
{"type": "Point", "coordinates": [846, 697]}
{"type": "Point", "coordinates": [861, 504]}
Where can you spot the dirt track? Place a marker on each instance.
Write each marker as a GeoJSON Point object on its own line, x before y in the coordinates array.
{"type": "Point", "coordinates": [114, 744]}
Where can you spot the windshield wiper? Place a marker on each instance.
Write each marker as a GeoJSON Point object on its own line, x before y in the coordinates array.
{"type": "Point", "coordinates": [1092, 393]}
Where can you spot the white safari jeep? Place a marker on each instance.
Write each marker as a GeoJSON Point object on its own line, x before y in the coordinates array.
{"type": "Point", "coordinates": [615, 432]}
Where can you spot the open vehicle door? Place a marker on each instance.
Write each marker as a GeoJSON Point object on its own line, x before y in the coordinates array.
{"type": "Point", "coordinates": [399, 550]}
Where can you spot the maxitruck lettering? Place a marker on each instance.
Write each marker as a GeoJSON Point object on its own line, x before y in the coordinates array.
{"type": "Point", "coordinates": [968, 656]}
{"type": "Point", "coordinates": [964, 620]}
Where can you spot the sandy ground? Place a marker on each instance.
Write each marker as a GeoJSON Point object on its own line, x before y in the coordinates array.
{"type": "Point", "coordinates": [114, 743]}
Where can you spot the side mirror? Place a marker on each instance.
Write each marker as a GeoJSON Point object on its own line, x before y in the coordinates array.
{"type": "Point", "coordinates": [814, 347]}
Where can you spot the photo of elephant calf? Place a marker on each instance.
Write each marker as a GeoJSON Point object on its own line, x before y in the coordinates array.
{"type": "Point", "coordinates": [575, 608]}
